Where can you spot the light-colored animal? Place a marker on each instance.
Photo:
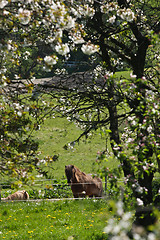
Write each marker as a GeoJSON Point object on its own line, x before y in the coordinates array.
{"type": "Point", "coordinates": [83, 184]}
{"type": "Point", "coordinates": [19, 195]}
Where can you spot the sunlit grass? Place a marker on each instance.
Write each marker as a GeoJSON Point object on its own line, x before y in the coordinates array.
{"type": "Point", "coordinates": [56, 133]}
{"type": "Point", "coordinates": [81, 219]}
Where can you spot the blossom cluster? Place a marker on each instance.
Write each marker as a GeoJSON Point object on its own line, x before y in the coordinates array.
{"type": "Point", "coordinates": [120, 229]}
{"type": "Point", "coordinates": [54, 18]}
{"type": "Point", "coordinates": [115, 12]}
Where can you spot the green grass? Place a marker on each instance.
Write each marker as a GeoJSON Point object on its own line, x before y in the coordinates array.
{"type": "Point", "coordinates": [52, 137]}
{"type": "Point", "coordinates": [123, 74]}
{"type": "Point", "coordinates": [64, 219]}
{"type": "Point", "coordinates": [80, 219]}
{"type": "Point", "coordinates": [56, 133]}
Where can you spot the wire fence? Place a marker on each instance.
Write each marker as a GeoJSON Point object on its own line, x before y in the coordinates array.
{"type": "Point", "coordinates": [54, 189]}
{"type": "Point", "coordinates": [48, 188]}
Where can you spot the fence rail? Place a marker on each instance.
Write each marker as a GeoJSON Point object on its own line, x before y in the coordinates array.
{"type": "Point", "coordinates": [50, 187]}
{"type": "Point", "coordinates": [47, 187]}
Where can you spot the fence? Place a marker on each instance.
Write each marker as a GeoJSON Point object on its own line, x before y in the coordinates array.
{"type": "Point", "coordinates": [52, 189]}
{"type": "Point", "coordinates": [47, 189]}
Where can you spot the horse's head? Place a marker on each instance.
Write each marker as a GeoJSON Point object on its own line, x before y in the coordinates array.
{"type": "Point", "coordinates": [69, 171]}
{"type": "Point", "coordinates": [26, 195]}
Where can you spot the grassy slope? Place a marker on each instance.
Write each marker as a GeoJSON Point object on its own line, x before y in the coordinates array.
{"type": "Point", "coordinates": [56, 133]}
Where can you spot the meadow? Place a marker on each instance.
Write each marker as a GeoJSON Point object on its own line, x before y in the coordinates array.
{"type": "Point", "coordinates": [55, 135]}
{"type": "Point", "coordinates": [67, 220]}
{"type": "Point", "coordinates": [64, 219]}
{"type": "Point", "coordinates": [59, 219]}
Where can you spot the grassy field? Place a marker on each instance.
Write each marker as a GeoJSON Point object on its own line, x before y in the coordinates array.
{"type": "Point", "coordinates": [52, 137]}
{"type": "Point", "coordinates": [57, 133]}
{"type": "Point", "coordinates": [65, 220]}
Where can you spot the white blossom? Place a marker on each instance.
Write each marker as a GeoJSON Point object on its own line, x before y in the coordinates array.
{"type": "Point", "coordinates": [70, 23]}
{"type": "Point", "coordinates": [24, 16]}
{"type": "Point", "coordinates": [149, 129]}
{"type": "Point", "coordinates": [133, 75]}
{"type": "Point", "coordinates": [3, 3]}
{"type": "Point", "coordinates": [139, 202]}
{"type": "Point", "coordinates": [26, 55]}
{"type": "Point", "coordinates": [86, 10]}
{"type": "Point", "coordinates": [151, 236]}
{"type": "Point", "coordinates": [19, 114]}
{"type": "Point", "coordinates": [62, 49]}
{"type": "Point", "coordinates": [51, 60]}
{"type": "Point", "coordinates": [89, 48]}
{"type": "Point", "coordinates": [120, 208]}
{"type": "Point", "coordinates": [77, 38]}
{"type": "Point", "coordinates": [112, 19]}
{"type": "Point", "coordinates": [126, 14]}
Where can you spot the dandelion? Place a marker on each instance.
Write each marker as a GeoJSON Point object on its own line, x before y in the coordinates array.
{"type": "Point", "coordinates": [70, 238]}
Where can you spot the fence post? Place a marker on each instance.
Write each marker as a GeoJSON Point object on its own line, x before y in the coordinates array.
{"type": "Point", "coordinates": [122, 193]}
{"type": "Point", "coordinates": [105, 184]}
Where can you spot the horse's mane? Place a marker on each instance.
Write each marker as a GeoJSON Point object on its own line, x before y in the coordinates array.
{"type": "Point", "coordinates": [81, 176]}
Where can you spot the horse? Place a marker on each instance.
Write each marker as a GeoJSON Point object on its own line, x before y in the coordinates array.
{"type": "Point", "coordinates": [19, 195]}
{"type": "Point", "coordinates": [83, 184]}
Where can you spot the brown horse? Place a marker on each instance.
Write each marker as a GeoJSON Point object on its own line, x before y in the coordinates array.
{"type": "Point", "coordinates": [83, 184]}
{"type": "Point", "coordinates": [19, 195]}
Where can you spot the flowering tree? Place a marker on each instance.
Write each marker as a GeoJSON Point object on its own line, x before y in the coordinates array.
{"type": "Point", "coordinates": [25, 25]}
{"type": "Point", "coordinates": [119, 32]}
{"type": "Point", "coordinates": [112, 33]}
